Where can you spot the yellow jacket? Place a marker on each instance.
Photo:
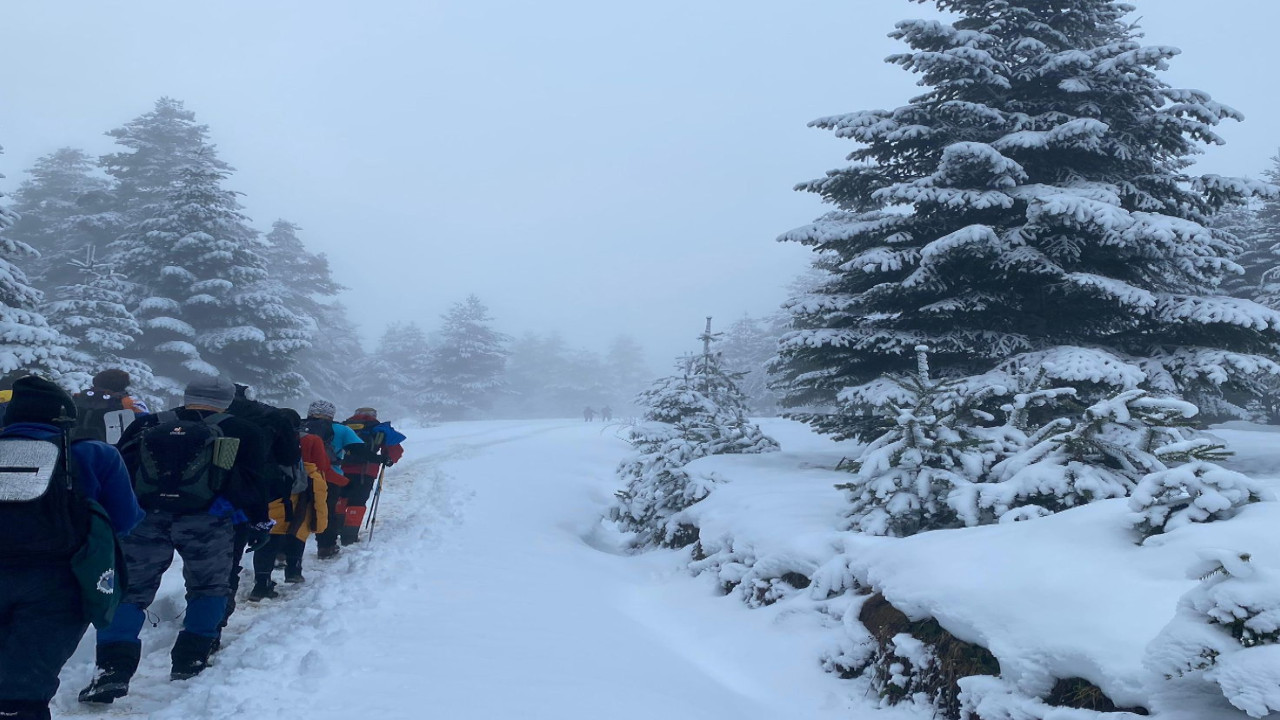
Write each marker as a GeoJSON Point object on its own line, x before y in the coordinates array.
{"type": "Point", "coordinates": [310, 509]}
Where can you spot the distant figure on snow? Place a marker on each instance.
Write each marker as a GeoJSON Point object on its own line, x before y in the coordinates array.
{"type": "Point", "coordinates": [606, 414]}
{"type": "Point", "coordinates": [588, 414]}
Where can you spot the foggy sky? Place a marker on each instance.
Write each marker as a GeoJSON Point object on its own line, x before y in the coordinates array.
{"type": "Point", "coordinates": [589, 167]}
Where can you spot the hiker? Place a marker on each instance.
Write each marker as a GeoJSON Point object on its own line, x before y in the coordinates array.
{"type": "Point", "coordinates": [606, 414]}
{"type": "Point", "coordinates": [283, 453]}
{"type": "Point", "coordinates": [588, 414]}
{"type": "Point", "coordinates": [300, 510]}
{"type": "Point", "coordinates": [380, 448]}
{"type": "Point", "coordinates": [106, 408]}
{"type": "Point", "coordinates": [337, 439]}
{"type": "Point", "coordinates": [193, 469]}
{"type": "Point", "coordinates": [42, 610]}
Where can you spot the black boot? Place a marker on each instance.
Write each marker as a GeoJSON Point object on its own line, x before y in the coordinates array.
{"type": "Point", "coordinates": [350, 535]}
{"type": "Point", "coordinates": [190, 655]}
{"type": "Point", "coordinates": [293, 571]}
{"type": "Point", "coordinates": [116, 664]}
{"type": "Point", "coordinates": [327, 552]}
{"type": "Point", "coordinates": [263, 588]}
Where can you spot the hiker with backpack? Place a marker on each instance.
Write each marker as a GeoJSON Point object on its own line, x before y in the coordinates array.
{"type": "Point", "coordinates": [194, 468]}
{"type": "Point", "coordinates": [298, 510]}
{"type": "Point", "coordinates": [281, 442]}
{"type": "Point", "coordinates": [106, 408]}
{"type": "Point", "coordinates": [60, 504]}
{"type": "Point", "coordinates": [379, 448]}
{"type": "Point", "coordinates": [337, 439]}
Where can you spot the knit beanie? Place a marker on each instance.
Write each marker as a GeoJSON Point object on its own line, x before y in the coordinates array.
{"type": "Point", "coordinates": [214, 392]}
{"type": "Point", "coordinates": [38, 400]}
{"type": "Point", "coordinates": [368, 412]}
{"type": "Point", "coordinates": [116, 381]}
{"type": "Point", "coordinates": [322, 408]}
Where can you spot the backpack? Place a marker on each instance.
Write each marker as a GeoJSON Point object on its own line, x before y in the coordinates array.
{"type": "Point", "coordinates": [369, 452]}
{"type": "Point", "coordinates": [183, 463]}
{"type": "Point", "coordinates": [323, 429]}
{"type": "Point", "coordinates": [100, 416]}
{"type": "Point", "coordinates": [43, 517]}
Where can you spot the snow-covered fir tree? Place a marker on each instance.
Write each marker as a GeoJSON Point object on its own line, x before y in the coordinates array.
{"type": "Point", "coordinates": [206, 305]}
{"type": "Point", "coordinates": [93, 315]}
{"type": "Point", "coordinates": [628, 374]}
{"type": "Point", "coordinates": [395, 375]}
{"type": "Point", "coordinates": [64, 206]}
{"type": "Point", "coordinates": [696, 412]}
{"type": "Point", "coordinates": [466, 363]}
{"type": "Point", "coordinates": [1035, 197]}
{"type": "Point", "coordinates": [748, 347]}
{"type": "Point", "coordinates": [27, 342]}
{"type": "Point", "coordinates": [546, 378]}
{"type": "Point", "coordinates": [158, 147]}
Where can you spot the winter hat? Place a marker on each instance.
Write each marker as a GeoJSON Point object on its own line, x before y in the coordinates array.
{"type": "Point", "coordinates": [371, 412]}
{"type": "Point", "coordinates": [322, 408]}
{"type": "Point", "coordinates": [116, 381]}
{"type": "Point", "coordinates": [39, 401]}
{"type": "Point", "coordinates": [215, 392]}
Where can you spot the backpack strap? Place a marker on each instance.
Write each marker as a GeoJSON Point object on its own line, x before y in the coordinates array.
{"type": "Point", "coordinates": [166, 416]}
{"type": "Point", "coordinates": [217, 419]}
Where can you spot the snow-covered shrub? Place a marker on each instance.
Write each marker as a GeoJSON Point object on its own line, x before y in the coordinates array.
{"type": "Point", "coordinates": [1101, 452]}
{"type": "Point", "coordinates": [1226, 632]}
{"type": "Point", "coordinates": [695, 413]}
{"type": "Point", "coordinates": [905, 480]}
{"type": "Point", "coordinates": [1196, 492]}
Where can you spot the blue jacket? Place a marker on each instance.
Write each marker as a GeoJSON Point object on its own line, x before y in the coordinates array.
{"type": "Point", "coordinates": [100, 474]}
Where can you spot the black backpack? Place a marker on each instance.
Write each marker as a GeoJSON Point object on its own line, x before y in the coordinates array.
{"type": "Point", "coordinates": [323, 429]}
{"type": "Point", "coordinates": [369, 452]}
{"type": "Point", "coordinates": [183, 463]}
{"type": "Point", "coordinates": [92, 409]}
{"type": "Point", "coordinates": [43, 517]}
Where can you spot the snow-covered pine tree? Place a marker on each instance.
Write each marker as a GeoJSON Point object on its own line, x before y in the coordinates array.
{"type": "Point", "coordinates": [628, 374]}
{"type": "Point", "coordinates": [206, 305]}
{"type": "Point", "coordinates": [466, 365]}
{"type": "Point", "coordinates": [159, 146]}
{"type": "Point", "coordinates": [697, 412]}
{"type": "Point", "coordinates": [27, 342]}
{"type": "Point", "coordinates": [1035, 196]}
{"type": "Point", "coordinates": [93, 315]}
{"type": "Point", "coordinates": [748, 346]}
{"type": "Point", "coordinates": [395, 375]}
{"type": "Point", "coordinates": [64, 207]}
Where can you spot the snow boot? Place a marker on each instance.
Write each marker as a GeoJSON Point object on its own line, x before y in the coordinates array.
{"type": "Point", "coordinates": [263, 588]}
{"type": "Point", "coordinates": [327, 552]}
{"type": "Point", "coordinates": [350, 535]}
{"type": "Point", "coordinates": [190, 655]}
{"type": "Point", "coordinates": [116, 664]}
{"type": "Point", "coordinates": [293, 572]}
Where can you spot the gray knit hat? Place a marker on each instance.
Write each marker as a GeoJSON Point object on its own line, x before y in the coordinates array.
{"type": "Point", "coordinates": [322, 408]}
{"type": "Point", "coordinates": [215, 392]}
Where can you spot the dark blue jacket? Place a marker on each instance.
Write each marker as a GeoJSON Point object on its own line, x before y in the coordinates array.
{"type": "Point", "coordinates": [100, 474]}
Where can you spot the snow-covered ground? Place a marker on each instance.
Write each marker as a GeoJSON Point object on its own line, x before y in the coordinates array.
{"type": "Point", "coordinates": [491, 591]}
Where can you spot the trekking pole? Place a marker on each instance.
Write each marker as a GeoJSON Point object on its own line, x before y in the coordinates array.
{"type": "Point", "coordinates": [373, 509]}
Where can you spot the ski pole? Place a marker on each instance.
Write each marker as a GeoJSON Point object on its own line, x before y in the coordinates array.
{"type": "Point", "coordinates": [377, 495]}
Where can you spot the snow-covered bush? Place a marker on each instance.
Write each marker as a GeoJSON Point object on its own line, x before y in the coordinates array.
{"type": "Point", "coordinates": [906, 479]}
{"type": "Point", "coordinates": [1196, 492]}
{"type": "Point", "coordinates": [697, 412]}
{"type": "Point", "coordinates": [1226, 632]}
{"type": "Point", "coordinates": [1099, 453]}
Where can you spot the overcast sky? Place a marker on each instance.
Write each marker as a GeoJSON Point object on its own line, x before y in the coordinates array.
{"type": "Point", "coordinates": [590, 167]}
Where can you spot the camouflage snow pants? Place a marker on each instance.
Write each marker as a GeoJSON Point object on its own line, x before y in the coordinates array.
{"type": "Point", "coordinates": [203, 541]}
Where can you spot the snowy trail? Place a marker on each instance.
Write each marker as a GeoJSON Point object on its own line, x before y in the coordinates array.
{"type": "Point", "coordinates": [489, 592]}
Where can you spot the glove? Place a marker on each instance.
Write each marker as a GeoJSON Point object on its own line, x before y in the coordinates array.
{"type": "Point", "coordinates": [259, 536]}
{"type": "Point", "coordinates": [388, 462]}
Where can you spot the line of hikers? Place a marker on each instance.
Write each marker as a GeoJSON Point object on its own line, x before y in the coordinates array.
{"type": "Point", "coordinates": [96, 494]}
